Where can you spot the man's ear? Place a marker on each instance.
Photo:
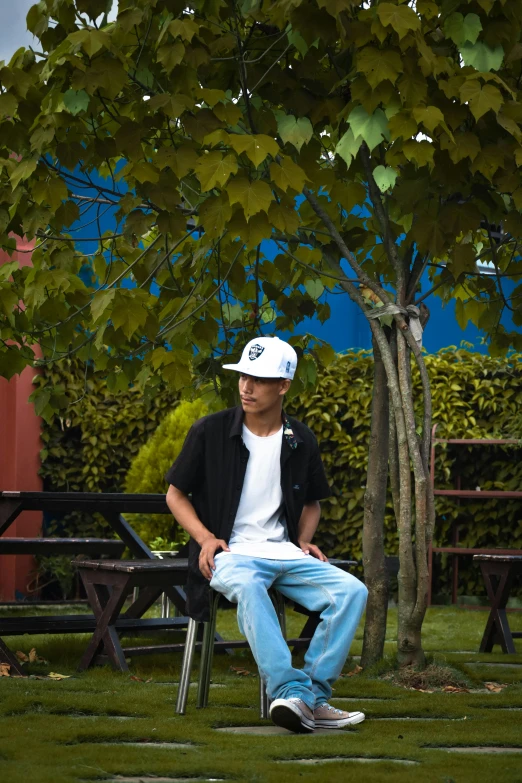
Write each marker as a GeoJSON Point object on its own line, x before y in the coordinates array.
{"type": "Point", "coordinates": [285, 385]}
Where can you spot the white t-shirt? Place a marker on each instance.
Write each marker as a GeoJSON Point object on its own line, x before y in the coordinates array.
{"type": "Point", "coordinates": [260, 527]}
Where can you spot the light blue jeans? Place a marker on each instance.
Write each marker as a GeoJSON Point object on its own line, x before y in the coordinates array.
{"type": "Point", "coordinates": [320, 587]}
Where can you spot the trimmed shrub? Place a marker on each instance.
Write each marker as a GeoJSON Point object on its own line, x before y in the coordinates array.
{"type": "Point", "coordinates": [148, 469]}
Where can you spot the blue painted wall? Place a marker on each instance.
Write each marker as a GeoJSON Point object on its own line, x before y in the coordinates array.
{"type": "Point", "coordinates": [347, 326]}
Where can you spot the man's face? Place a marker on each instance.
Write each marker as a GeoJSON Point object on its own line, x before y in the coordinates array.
{"type": "Point", "coordinates": [261, 394]}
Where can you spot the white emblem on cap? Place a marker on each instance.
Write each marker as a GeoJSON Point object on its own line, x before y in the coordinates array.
{"type": "Point", "coordinates": [255, 352]}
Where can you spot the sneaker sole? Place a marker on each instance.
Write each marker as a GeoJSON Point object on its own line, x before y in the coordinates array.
{"type": "Point", "coordinates": [357, 717]}
{"type": "Point", "coordinates": [285, 716]}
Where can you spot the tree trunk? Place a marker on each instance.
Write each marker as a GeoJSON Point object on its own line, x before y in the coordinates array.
{"type": "Point", "coordinates": [413, 599]}
{"type": "Point", "coordinates": [375, 575]}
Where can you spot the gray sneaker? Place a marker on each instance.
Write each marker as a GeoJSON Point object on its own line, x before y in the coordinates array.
{"type": "Point", "coordinates": [292, 714]}
{"type": "Point", "coordinates": [327, 717]}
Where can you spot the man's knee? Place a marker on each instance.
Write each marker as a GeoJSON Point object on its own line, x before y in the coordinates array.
{"type": "Point", "coordinates": [354, 591]}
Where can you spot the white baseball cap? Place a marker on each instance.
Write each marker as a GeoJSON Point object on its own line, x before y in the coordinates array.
{"type": "Point", "coordinates": [266, 357]}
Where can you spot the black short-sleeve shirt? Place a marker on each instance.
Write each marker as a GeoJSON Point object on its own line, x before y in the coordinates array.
{"type": "Point", "coordinates": [211, 468]}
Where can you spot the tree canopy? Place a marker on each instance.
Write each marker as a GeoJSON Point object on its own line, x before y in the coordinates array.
{"type": "Point", "coordinates": [386, 134]}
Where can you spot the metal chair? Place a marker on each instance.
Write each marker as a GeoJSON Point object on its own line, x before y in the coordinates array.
{"type": "Point", "coordinates": [207, 653]}
{"type": "Point", "coordinates": [166, 604]}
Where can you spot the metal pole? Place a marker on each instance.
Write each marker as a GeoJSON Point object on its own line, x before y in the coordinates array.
{"type": "Point", "coordinates": [186, 666]}
{"type": "Point", "coordinates": [207, 652]}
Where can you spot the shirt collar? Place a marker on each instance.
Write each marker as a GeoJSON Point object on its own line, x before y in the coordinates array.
{"type": "Point", "coordinates": [289, 435]}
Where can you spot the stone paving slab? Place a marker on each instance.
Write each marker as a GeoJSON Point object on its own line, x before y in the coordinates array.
{"type": "Point", "coordinates": [480, 749]}
{"type": "Point", "coordinates": [358, 759]}
{"type": "Point", "coordinates": [131, 744]}
{"type": "Point", "coordinates": [269, 730]}
{"type": "Point", "coordinates": [155, 779]}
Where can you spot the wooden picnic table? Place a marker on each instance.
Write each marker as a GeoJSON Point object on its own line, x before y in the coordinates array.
{"type": "Point", "coordinates": [498, 572]}
{"type": "Point", "coordinates": [111, 506]}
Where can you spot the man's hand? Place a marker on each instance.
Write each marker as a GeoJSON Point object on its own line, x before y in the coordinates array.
{"type": "Point", "coordinates": [206, 557]}
{"type": "Point", "coordinates": [312, 549]}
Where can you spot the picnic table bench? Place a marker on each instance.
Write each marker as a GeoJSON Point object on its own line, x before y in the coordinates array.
{"type": "Point", "coordinates": [111, 506]}
{"type": "Point", "coordinates": [498, 572]}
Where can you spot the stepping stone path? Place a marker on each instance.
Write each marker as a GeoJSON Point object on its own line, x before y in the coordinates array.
{"type": "Point", "coordinates": [143, 744]}
{"type": "Point", "coordinates": [480, 749]}
{"type": "Point", "coordinates": [145, 778]}
{"type": "Point", "coordinates": [361, 698]}
{"type": "Point", "coordinates": [268, 730]}
{"type": "Point", "coordinates": [359, 759]}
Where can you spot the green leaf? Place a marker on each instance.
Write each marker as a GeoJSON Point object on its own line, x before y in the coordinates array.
{"type": "Point", "coordinates": [76, 101]}
{"type": "Point", "coordinates": [371, 128]}
{"type": "Point", "coordinates": [256, 147]}
{"type": "Point", "coordinates": [37, 19]}
{"type": "Point", "coordinates": [296, 39]}
{"type": "Point", "coordinates": [101, 301]}
{"type": "Point", "coordinates": [400, 17]}
{"type": "Point", "coordinates": [128, 315]}
{"type": "Point", "coordinates": [379, 65]}
{"type": "Point", "coordinates": [213, 169]}
{"type": "Point", "coordinates": [283, 218]}
{"type": "Point", "coordinates": [214, 214]}
{"type": "Point", "coordinates": [348, 147]}
{"type": "Point", "coordinates": [429, 116]}
{"type": "Point", "coordinates": [8, 104]}
{"type": "Point", "coordinates": [384, 177]}
{"type": "Point", "coordinates": [183, 28]}
{"type": "Point", "coordinates": [287, 174]}
{"type": "Point", "coordinates": [254, 196]}
{"type": "Point", "coordinates": [314, 288]}
{"type": "Point", "coordinates": [23, 171]}
{"type": "Point", "coordinates": [463, 259]}
{"type": "Point", "coordinates": [481, 98]}
{"type": "Point", "coordinates": [171, 55]}
{"type": "Point", "coordinates": [421, 152]}
{"type": "Point", "coordinates": [462, 29]}
{"type": "Point", "coordinates": [482, 57]}
{"type": "Point", "coordinates": [293, 130]}
{"type": "Point", "coordinates": [402, 125]}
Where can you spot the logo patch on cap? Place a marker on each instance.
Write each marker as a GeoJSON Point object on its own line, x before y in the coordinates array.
{"type": "Point", "coordinates": [255, 352]}
{"type": "Point", "coordinates": [288, 367]}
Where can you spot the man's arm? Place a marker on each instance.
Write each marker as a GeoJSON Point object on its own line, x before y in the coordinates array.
{"type": "Point", "coordinates": [310, 517]}
{"type": "Point", "coordinates": [186, 516]}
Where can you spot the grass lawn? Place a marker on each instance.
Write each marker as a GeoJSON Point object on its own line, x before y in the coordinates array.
{"type": "Point", "coordinates": [106, 726]}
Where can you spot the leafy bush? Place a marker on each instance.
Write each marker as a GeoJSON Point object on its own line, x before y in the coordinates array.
{"type": "Point", "coordinates": [90, 443]}
{"type": "Point", "coordinates": [474, 396]}
{"type": "Point", "coordinates": [148, 469]}
{"type": "Point", "coordinates": [92, 446]}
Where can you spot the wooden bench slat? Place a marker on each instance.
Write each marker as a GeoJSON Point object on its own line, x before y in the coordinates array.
{"type": "Point", "coordinates": [462, 550]}
{"type": "Point", "coordinates": [134, 566]}
{"type": "Point", "coordinates": [64, 546]}
{"type": "Point", "coordinates": [18, 626]}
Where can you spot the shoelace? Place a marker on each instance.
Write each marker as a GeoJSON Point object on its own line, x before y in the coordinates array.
{"type": "Point", "coordinates": [333, 709]}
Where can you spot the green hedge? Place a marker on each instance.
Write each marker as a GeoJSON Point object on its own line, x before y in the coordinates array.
{"type": "Point", "coordinates": [475, 396]}
{"type": "Point", "coordinates": [90, 444]}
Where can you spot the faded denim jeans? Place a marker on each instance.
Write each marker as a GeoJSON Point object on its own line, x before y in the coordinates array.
{"type": "Point", "coordinates": [320, 587]}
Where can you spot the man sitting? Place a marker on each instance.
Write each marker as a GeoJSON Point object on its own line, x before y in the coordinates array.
{"type": "Point", "coordinates": [255, 478]}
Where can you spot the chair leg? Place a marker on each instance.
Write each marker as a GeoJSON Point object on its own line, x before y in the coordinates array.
{"type": "Point", "coordinates": [207, 652]}
{"type": "Point", "coordinates": [279, 605]}
{"type": "Point", "coordinates": [186, 666]}
{"type": "Point", "coordinates": [264, 702]}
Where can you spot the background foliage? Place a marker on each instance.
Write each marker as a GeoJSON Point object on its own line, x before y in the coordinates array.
{"type": "Point", "coordinates": [91, 440]}
{"type": "Point", "coordinates": [475, 396]}
{"type": "Point", "coordinates": [148, 468]}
